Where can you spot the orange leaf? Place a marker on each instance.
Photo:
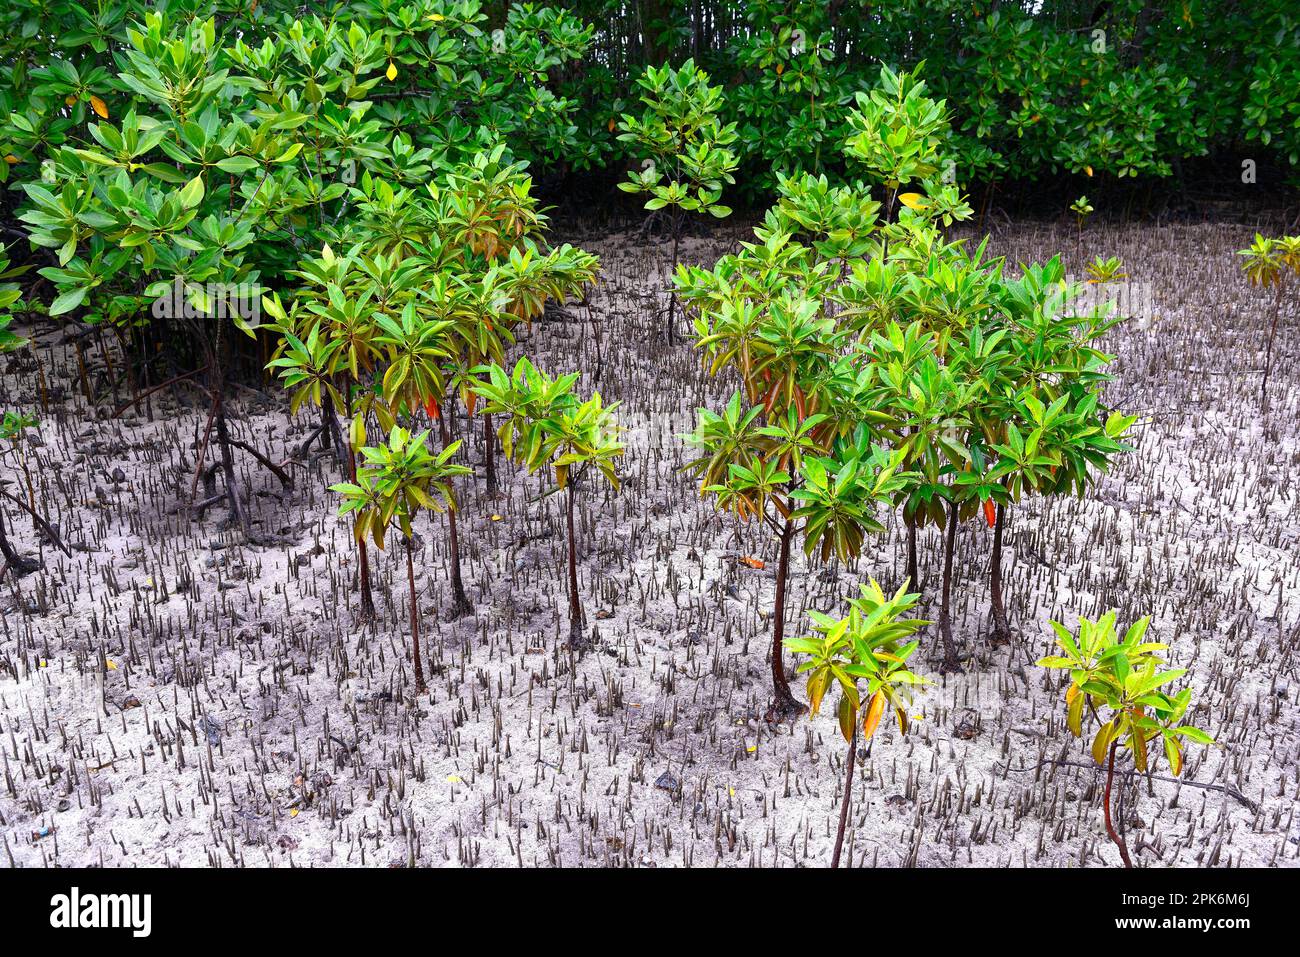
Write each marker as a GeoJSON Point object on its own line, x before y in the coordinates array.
{"type": "Point", "coordinates": [611, 124]}
{"type": "Point", "coordinates": [431, 407]}
{"type": "Point", "coordinates": [100, 106]}
{"type": "Point", "coordinates": [872, 719]}
{"type": "Point", "coordinates": [990, 512]}
{"type": "Point", "coordinates": [780, 68]}
{"type": "Point", "coordinates": [70, 100]}
{"type": "Point", "coordinates": [752, 562]}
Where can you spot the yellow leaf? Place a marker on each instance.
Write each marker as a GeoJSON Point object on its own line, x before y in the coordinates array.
{"type": "Point", "coordinates": [752, 748]}
{"type": "Point", "coordinates": [70, 100]}
{"type": "Point", "coordinates": [1088, 170]}
{"type": "Point", "coordinates": [435, 17]}
{"type": "Point", "coordinates": [1074, 716]}
{"type": "Point", "coordinates": [112, 665]}
{"type": "Point", "coordinates": [913, 201]}
{"type": "Point", "coordinates": [293, 813]}
{"type": "Point", "coordinates": [780, 68]}
{"type": "Point", "coordinates": [453, 779]}
{"type": "Point", "coordinates": [11, 159]}
{"type": "Point", "coordinates": [100, 106]}
{"type": "Point", "coordinates": [391, 73]}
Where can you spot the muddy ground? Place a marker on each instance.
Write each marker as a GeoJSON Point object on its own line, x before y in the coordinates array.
{"type": "Point", "coordinates": [172, 696]}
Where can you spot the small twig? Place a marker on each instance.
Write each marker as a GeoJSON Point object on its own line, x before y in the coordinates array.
{"type": "Point", "coordinates": [158, 388]}
{"type": "Point", "coordinates": [45, 526]}
{"type": "Point", "coordinates": [1225, 788]}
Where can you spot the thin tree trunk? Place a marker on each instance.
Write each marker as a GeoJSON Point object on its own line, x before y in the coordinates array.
{"type": "Point", "coordinates": [461, 605]}
{"type": "Point", "coordinates": [1272, 329]}
{"type": "Point", "coordinates": [415, 621]}
{"type": "Point", "coordinates": [367, 613]}
{"type": "Point", "coordinates": [333, 435]}
{"type": "Point", "coordinates": [672, 287]}
{"type": "Point", "coordinates": [848, 795]}
{"type": "Point", "coordinates": [913, 575]}
{"type": "Point", "coordinates": [575, 604]}
{"type": "Point", "coordinates": [1110, 827]}
{"type": "Point", "coordinates": [1001, 630]}
{"type": "Point", "coordinates": [489, 455]}
{"type": "Point", "coordinates": [784, 703]}
{"type": "Point", "coordinates": [234, 500]}
{"type": "Point", "coordinates": [950, 660]}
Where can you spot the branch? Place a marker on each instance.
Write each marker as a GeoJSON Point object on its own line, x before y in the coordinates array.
{"type": "Point", "coordinates": [1224, 788]}
{"type": "Point", "coordinates": [45, 526]}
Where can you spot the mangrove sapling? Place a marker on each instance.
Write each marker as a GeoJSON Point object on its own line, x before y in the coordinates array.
{"type": "Point", "coordinates": [1116, 681]}
{"type": "Point", "coordinates": [766, 314]}
{"type": "Point", "coordinates": [869, 644]}
{"type": "Point", "coordinates": [1266, 264]}
{"type": "Point", "coordinates": [329, 350]}
{"type": "Point", "coordinates": [398, 479]}
{"type": "Point", "coordinates": [419, 350]}
{"type": "Point", "coordinates": [546, 425]}
{"type": "Point", "coordinates": [1082, 209]}
{"type": "Point", "coordinates": [679, 136]}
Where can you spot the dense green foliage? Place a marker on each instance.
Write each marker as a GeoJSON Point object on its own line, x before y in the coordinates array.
{"type": "Point", "coordinates": [1122, 89]}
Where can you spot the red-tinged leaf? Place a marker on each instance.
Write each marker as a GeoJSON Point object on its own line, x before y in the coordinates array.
{"type": "Point", "coordinates": [990, 512]}
{"type": "Point", "coordinates": [431, 407]}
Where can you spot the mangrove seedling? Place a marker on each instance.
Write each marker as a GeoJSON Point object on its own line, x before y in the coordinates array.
{"type": "Point", "coordinates": [546, 425]}
{"type": "Point", "coordinates": [397, 480]}
{"type": "Point", "coordinates": [682, 148]}
{"type": "Point", "coordinates": [1116, 682]}
{"type": "Point", "coordinates": [1266, 265]}
{"type": "Point", "coordinates": [869, 644]}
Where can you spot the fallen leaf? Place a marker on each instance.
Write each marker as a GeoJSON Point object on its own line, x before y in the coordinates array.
{"type": "Point", "coordinates": [752, 562]}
